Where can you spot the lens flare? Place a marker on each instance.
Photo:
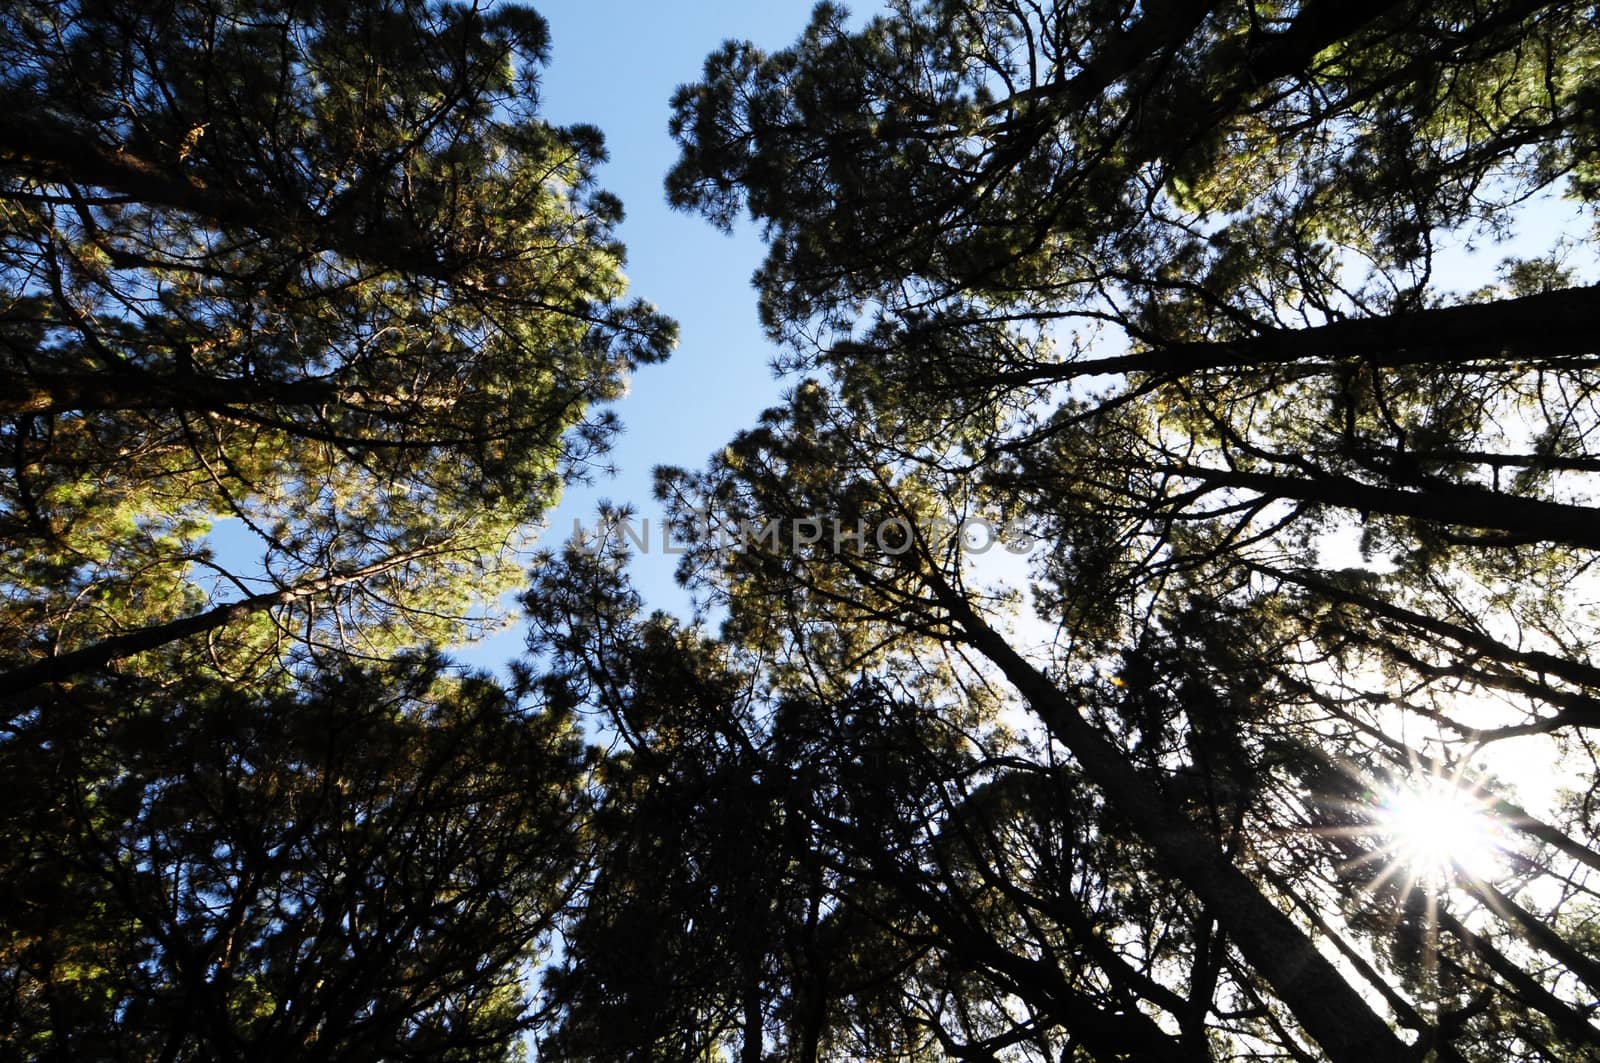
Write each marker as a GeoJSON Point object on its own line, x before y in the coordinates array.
{"type": "Point", "coordinates": [1436, 831]}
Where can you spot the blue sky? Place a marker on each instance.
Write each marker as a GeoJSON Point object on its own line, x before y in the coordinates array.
{"type": "Point", "coordinates": [615, 64]}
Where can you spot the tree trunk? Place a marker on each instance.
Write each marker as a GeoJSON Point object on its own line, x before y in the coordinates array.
{"type": "Point", "coordinates": [20, 680]}
{"type": "Point", "coordinates": [23, 393]}
{"type": "Point", "coordinates": [1524, 520]}
{"type": "Point", "coordinates": [1534, 327]}
{"type": "Point", "coordinates": [1330, 1011]}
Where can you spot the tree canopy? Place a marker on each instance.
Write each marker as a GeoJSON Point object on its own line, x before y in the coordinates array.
{"type": "Point", "coordinates": [318, 269]}
{"type": "Point", "coordinates": [363, 869]}
{"type": "Point", "coordinates": [318, 279]}
{"type": "Point", "coordinates": [1267, 734]}
{"type": "Point", "coordinates": [1159, 284]}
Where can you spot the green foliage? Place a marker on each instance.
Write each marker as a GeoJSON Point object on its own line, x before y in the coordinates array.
{"type": "Point", "coordinates": [320, 269]}
{"type": "Point", "coordinates": [1155, 282]}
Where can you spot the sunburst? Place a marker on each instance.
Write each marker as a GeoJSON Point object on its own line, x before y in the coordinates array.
{"type": "Point", "coordinates": [1421, 844]}
{"type": "Point", "coordinates": [1433, 830]}
{"type": "Point", "coordinates": [1428, 830]}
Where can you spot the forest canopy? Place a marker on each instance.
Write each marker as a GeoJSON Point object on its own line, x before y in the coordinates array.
{"type": "Point", "coordinates": [317, 269]}
{"type": "Point", "coordinates": [1275, 744]}
{"type": "Point", "coordinates": [318, 272]}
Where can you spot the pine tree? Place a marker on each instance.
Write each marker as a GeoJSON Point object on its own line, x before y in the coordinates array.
{"type": "Point", "coordinates": [1155, 283]}
{"type": "Point", "coordinates": [317, 269]}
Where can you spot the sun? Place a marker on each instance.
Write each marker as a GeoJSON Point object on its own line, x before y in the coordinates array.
{"type": "Point", "coordinates": [1435, 831]}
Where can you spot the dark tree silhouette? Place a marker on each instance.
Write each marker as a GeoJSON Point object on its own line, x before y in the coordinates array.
{"type": "Point", "coordinates": [361, 870]}
{"type": "Point", "coordinates": [1156, 283]}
